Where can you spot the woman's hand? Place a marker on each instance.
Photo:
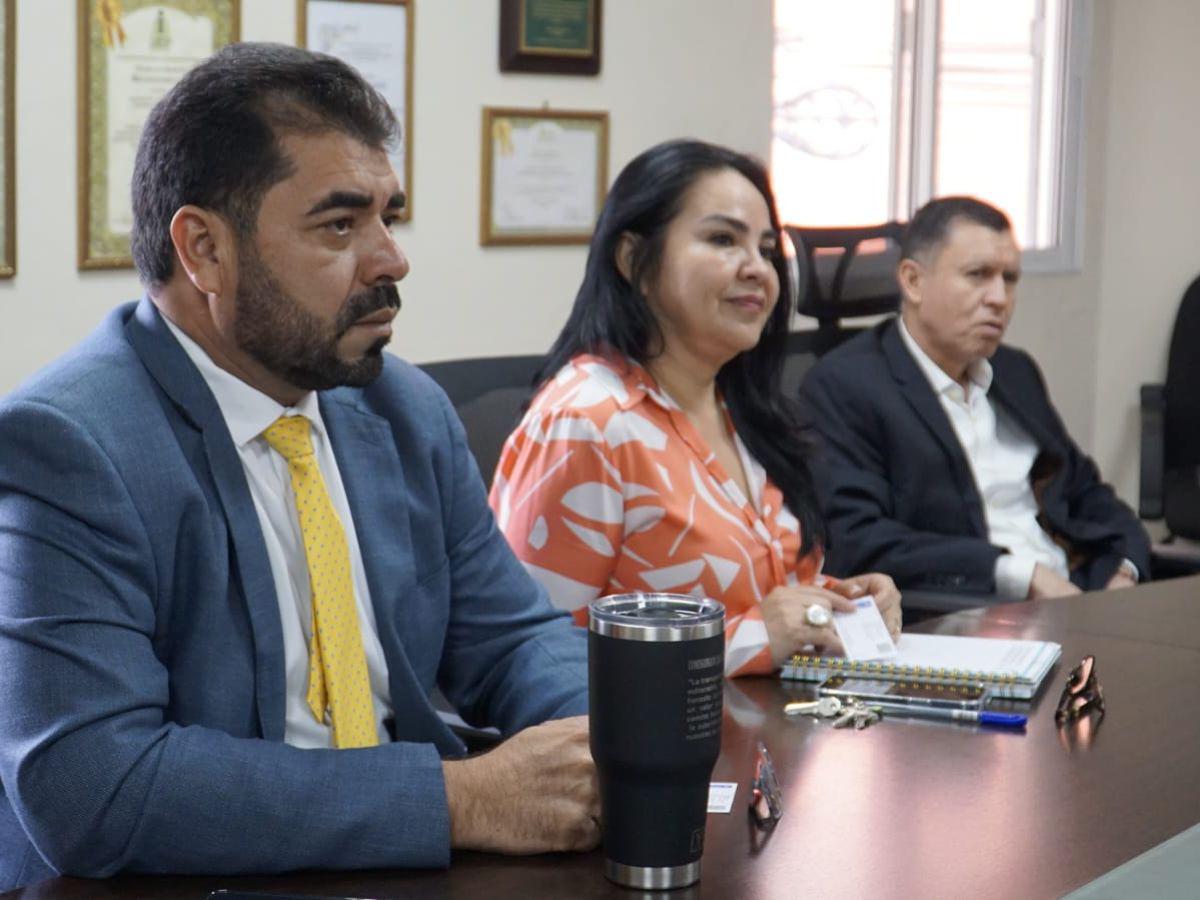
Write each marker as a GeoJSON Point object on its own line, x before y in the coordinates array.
{"type": "Point", "coordinates": [785, 611]}
{"type": "Point", "coordinates": [882, 588]}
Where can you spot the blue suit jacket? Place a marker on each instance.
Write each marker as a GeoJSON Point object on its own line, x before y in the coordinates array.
{"type": "Point", "coordinates": [898, 493]}
{"type": "Point", "coordinates": [141, 656]}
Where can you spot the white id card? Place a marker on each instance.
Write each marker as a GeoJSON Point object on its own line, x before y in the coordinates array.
{"type": "Point", "coordinates": [863, 633]}
{"type": "Point", "coordinates": [720, 796]}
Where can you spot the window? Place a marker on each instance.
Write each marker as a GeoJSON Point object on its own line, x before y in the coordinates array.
{"type": "Point", "coordinates": [881, 104]}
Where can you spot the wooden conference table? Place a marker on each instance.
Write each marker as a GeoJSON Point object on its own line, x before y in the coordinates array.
{"type": "Point", "coordinates": [906, 808]}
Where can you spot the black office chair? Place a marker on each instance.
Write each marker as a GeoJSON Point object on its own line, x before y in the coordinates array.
{"type": "Point", "coordinates": [845, 273]}
{"type": "Point", "coordinates": [487, 394]}
{"type": "Point", "coordinates": [1170, 453]}
{"type": "Point", "coordinates": [801, 356]}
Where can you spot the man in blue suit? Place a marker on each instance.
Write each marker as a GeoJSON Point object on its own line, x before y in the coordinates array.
{"type": "Point", "coordinates": [942, 460]}
{"type": "Point", "coordinates": [217, 649]}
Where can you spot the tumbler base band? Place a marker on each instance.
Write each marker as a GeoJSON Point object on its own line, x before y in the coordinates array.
{"type": "Point", "coordinates": [653, 878]}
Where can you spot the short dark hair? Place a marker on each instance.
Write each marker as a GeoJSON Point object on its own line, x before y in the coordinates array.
{"type": "Point", "coordinates": [929, 226]}
{"type": "Point", "coordinates": [610, 316]}
{"type": "Point", "coordinates": [213, 140]}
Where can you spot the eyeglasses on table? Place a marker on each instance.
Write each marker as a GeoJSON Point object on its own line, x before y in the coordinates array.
{"type": "Point", "coordinates": [1082, 693]}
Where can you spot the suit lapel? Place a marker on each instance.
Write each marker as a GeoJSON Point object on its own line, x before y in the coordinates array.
{"type": "Point", "coordinates": [915, 388]}
{"type": "Point", "coordinates": [1020, 412]}
{"type": "Point", "coordinates": [374, 480]}
{"type": "Point", "coordinates": [173, 370]}
{"type": "Point", "coordinates": [373, 476]}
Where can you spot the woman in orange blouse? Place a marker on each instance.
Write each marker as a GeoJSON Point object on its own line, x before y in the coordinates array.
{"type": "Point", "coordinates": [659, 453]}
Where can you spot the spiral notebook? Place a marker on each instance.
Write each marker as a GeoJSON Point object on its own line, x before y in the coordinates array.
{"type": "Point", "coordinates": [1009, 668]}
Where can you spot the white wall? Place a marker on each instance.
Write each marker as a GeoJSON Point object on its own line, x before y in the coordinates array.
{"type": "Point", "coordinates": [670, 68]}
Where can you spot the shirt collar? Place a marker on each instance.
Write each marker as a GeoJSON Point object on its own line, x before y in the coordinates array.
{"type": "Point", "coordinates": [979, 373]}
{"type": "Point", "coordinates": [247, 410]}
{"type": "Point", "coordinates": [635, 383]}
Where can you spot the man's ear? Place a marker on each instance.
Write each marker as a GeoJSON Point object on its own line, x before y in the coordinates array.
{"type": "Point", "coordinates": [908, 276]}
{"type": "Point", "coordinates": [627, 243]}
{"type": "Point", "coordinates": [204, 244]}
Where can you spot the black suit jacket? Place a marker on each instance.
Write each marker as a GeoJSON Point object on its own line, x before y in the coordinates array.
{"type": "Point", "coordinates": [897, 491]}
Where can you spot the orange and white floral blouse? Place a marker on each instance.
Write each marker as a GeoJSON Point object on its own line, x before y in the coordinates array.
{"type": "Point", "coordinates": [606, 487]}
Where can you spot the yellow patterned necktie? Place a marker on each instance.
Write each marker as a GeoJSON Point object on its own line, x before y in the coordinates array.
{"type": "Point", "coordinates": [337, 665]}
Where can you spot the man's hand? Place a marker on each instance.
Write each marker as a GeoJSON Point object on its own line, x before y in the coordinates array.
{"type": "Point", "coordinates": [1046, 584]}
{"type": "Point", "coordinates": [788, 630]}
{"type": "Point", "coordinates": [535, 793]}
{"type": "Point", "coordinates": [885, 592]}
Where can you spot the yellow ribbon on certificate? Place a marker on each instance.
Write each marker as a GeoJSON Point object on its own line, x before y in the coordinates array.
{"type": "Point", "coordinates": [502, 136]}
{"type": "Point", "coordinates": [109, 14]}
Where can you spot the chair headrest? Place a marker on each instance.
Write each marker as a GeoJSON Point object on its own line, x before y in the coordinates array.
{"type": "Point", "coordinates": [847, 272]}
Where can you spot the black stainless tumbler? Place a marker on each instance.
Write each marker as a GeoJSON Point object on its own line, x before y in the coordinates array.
{"type": "Point", "coordinates": [656, 665]}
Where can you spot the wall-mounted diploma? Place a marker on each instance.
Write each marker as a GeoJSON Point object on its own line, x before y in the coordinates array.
{"type": "Point", "coordinates": [544, 175]}
{"type": "Point", "coordinates": [131, 52]}
{"type": "Point", "coordinates": [376, 37]}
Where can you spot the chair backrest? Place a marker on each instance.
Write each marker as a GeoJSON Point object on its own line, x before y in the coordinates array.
{"type": "Point", "coordinates": [487, 394]}
{"type": "Point", "coordinates": [801, 355]}
{"type": "Point", "coordinates": [845, 273]}
{"type": "Point", "coordinates": [1181, 420]}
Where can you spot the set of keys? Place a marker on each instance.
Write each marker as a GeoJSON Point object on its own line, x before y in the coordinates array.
{"type": "Point", "coordinates": [843, 713]}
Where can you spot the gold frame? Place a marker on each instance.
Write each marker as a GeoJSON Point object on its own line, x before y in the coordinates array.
{"type": "Point", "coordinates": [487, 237]}
{"type": "Point", "coordinates": [406, 125]}
{"type": "Point", "coordinates": [8, 265]}
{"type": "Point", "coordinates": [85, 16]}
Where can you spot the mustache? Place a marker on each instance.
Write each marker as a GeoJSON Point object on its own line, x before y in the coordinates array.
{"type": "Point", "coordinates": [383, 296]}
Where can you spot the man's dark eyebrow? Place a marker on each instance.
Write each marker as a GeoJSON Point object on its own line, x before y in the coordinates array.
{"type": "Point", "coordinates": [736, 224]}
{"type": "Point", "coordinates": [353, 200]}
{"type": "Point", "coordinates": [341, 200]}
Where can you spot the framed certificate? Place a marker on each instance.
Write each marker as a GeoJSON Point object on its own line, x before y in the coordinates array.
{"type": "Point", "coordinates": [131, 52]}
{"type": "Point", "coordinates": [550, 36]}
{"type": "Point", "coordinates": [8, 156]}
{"type": "Point", "coordinates": [376, 37]}
{"type": "Point", "coordinates": [544, 177]}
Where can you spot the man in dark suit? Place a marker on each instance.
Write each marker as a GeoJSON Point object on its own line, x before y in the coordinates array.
{"type": "Point", "coordinates": [239, 547]}
{"type": "Point", "coordinates": [942, 460]}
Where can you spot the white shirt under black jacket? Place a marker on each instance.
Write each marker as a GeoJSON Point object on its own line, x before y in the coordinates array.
{"type": "Point", "coordinates": [248, 412]}
{"type": "Point", "coordinates": [1000, 453]}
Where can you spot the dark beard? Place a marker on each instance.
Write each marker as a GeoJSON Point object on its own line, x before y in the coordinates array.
{"type": "Point", "coordinates": [291, 342]}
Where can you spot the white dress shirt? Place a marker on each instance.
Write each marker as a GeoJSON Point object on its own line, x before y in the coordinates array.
{"type": "Point", "coordinates": [1000, 453]}
{"type": "Point", "coordinates": [248, 412]}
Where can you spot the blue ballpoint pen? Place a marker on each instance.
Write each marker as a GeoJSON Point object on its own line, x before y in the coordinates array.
{"type": "Point", "coordinates": [975, 717]}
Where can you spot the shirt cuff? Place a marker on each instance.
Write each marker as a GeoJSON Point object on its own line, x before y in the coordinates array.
{"type": "Point", "coordinates": [1013, 575]}
{"type": "Point", "coordinates": [1130, 569]}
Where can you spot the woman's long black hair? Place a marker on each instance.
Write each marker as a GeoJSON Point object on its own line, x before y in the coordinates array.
{"type": "Point", "coordinates": [611, 317]}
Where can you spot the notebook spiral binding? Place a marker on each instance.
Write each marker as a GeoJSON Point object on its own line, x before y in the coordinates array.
{"type": "Point", "coordinates": [924, 674]}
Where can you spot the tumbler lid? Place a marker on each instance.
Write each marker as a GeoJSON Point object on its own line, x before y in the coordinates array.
{"type": "Point", "coordinates": [656, 617]}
